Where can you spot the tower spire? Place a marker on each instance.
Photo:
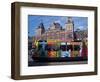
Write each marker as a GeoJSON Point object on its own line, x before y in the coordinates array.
{"type": "Point", "coordinates": [69, 20]}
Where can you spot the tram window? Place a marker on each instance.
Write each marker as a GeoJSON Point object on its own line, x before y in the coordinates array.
{"type": "Point", "coordinates": [69, 47]}
{"type": "Point", "coordinates": [76, 47]}
{"type": "Point", "coordinates": [46, 47]}
{"type": "Point", "coordinates": [39, 47]}
{"type": "Point", "coordinates": [40, 41]}
{"type": "Point", "coordinates": [63, 47]}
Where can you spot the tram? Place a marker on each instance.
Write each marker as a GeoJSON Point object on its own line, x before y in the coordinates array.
{"type": "Point", "coordinates": [60, 52]}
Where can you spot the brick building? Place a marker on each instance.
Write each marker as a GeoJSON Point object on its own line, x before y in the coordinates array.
{"type": "Point", "coordinates": [56, 32]}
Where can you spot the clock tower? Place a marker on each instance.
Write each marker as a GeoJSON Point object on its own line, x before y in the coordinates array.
{"type": "Point", "coordinates": [69, 28]}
